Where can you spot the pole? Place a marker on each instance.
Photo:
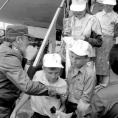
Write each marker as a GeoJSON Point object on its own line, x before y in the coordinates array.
{"type": "Point", "coordinates": [38, 57]}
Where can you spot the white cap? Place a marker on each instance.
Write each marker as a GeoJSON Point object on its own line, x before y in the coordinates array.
{"type": "Point", "coordinates": [81, 48]}
{"type": "Point", "coordinates": [109, 2]}
{"type": "Point", "coordinates": [78, 5]}
{"type": "Point", "coordinates": [52, 60]}
{"type": "Point", "coordinates": [99, 1]}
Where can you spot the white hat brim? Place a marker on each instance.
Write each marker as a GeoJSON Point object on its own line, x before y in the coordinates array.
{"type": "Point", "coordinates": [80, 53]}
{"type": "Point", "coordinates": [109, 3]}
{"type": "Point", "coordinates": [53, 66]}
{"type": "Point", "coordinates": [80, 7]}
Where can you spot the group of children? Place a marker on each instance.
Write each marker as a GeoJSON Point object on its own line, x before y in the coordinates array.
{"type": "Point", "coordinates": [75, 95]}
{"type": "Point", "coordinates": [71, 95]}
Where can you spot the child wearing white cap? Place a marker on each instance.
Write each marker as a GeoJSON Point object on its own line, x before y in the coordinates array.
{"type": "Point", "coordinates": [83, 26]}
{"type": "Point", "coordinates": [81, 79]}
{"type": "Point", "coordinates": [109, 24]}
{"type": "Point", "coordinates": [44, 106]}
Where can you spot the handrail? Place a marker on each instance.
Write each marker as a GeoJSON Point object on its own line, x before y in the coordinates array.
{"type": "Point", "coordinates": [39, 54]}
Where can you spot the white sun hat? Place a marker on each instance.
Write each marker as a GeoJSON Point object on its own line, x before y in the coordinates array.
{"type": "Point", "coordinates": [109, 2]}
{"type": "Point", "coordinates": [81, 48]}
{"type": "Point", "coordinates": [52, 60]}
{"type": "Point", "coordinates": [78, 5]}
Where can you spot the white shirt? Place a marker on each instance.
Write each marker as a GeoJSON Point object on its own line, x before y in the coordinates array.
{"type": "Point", "coordinates": [83, 27]}
{"type": "Point", "coordinates": [107, 21]}
{"type": "Point", "coordinates": [42, 104]}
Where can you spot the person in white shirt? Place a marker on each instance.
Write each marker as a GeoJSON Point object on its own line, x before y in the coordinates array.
{"type": "Point", "coordinates": [109, 24]}
{"type": "Point", "coordinates": [46, 105]}
{"type": "Point", "coordinates": [82, 25]}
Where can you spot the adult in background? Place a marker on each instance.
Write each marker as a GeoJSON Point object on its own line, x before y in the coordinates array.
{"type": "Point", "coordinates": [109, 24]}
{"type": "Point", "coordinates": [13, 78]}
{"type": "Point", "coordinates": [81, 80]}
{"type": "Point", "coordinates": [105, 99]}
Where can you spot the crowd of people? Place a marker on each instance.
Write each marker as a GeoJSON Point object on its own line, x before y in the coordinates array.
{"type": "Point", "coordinates": [90, 54]}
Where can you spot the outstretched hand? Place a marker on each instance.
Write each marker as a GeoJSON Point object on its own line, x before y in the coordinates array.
{"type": "Point", "coordinates": [31, 52]}
{"type": "Point", "coordinates": [52, 91]}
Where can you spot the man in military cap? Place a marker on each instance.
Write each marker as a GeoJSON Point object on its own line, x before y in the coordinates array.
{"type": "Point", "coordinates": [13, 78]}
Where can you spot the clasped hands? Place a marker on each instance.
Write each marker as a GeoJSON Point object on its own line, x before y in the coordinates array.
{"type": "Point", "coordinates": [52, 91]}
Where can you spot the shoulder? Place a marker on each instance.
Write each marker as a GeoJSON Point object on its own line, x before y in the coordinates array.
{"type": "Point", "coordinates": [92, 18]}
{"type": "Point", "coordinates": [38, 75]}
{"type": "Point", "coordinates": [115, 15]}
{"type": "Point", "coordinates": [62, 82]}
{"type": "Point", "coordinates": [9, 59]}
{"type": "Point", "coordinates": [98, 14]}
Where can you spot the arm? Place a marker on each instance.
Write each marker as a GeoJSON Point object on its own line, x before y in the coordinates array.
{"type": "Point", "coordinates": [89, 84]}
{"type": "Point", "coordinates": [95, 40]}
{"type": "Point", "coordinates": [14, 72]}
{"type": "Point", "coordinates": [116, 30]}
{"type": "Point", "coordinates": [63, 100]}
{"type": "Point", "coordinates": [22, 101]}
{"type": "Point", "coordinates": [96, 34]}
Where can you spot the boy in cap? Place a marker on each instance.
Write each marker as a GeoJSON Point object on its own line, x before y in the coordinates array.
{"type": "Point", "coordinates": [13, 79]}
{"type": "Point", "coordinates": [45, 106]}
{"type": "Point", "coordinates": [81, 79]}
{"type": "Point", "coordinates": [109, 24]}
{"type": "Point", "coordinates": [83, 26]}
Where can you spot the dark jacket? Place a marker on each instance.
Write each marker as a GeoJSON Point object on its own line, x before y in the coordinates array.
{"type": "Point", "coordinates": [13, 78]}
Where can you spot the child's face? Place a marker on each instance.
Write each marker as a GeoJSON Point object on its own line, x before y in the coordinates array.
{"type": "Point", "coordinates": [78, 61]}
{"type": "Point", "coordinates": [79, 14]}
{"type": "Point", "coordinates": [52, 74]}
{"type": "Point", "coordinates": [108, 8]}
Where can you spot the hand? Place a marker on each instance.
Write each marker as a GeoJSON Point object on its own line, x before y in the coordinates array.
{"type": "Point", "coordinates": [99, 87]}
{"type": "Point", "coordinates": [82, 106]}
{"type": "Point", "coordinates": [52, 91]}
{"type": "Point", "coordinates": [13, 115]}
{"type": "Point", "coordinates": [31, 52]}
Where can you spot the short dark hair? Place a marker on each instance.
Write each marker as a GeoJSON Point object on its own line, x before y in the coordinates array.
{"type": "Point", "coordinates": [113, 58]}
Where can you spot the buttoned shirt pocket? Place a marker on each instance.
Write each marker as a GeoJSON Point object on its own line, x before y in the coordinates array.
{"type": "Point", "coordinates": [78, 89]}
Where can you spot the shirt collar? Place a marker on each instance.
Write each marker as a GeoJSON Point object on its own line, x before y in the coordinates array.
{"type": "Point", "coordinates": [76, 71]}
{"type": "Point", "coordinates": [109, 14]}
